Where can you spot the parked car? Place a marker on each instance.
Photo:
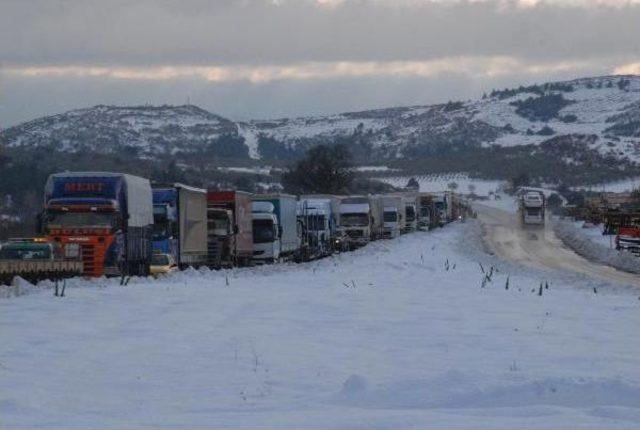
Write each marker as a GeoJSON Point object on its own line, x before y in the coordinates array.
{"type": "Point", "coordinates": [161, 264]}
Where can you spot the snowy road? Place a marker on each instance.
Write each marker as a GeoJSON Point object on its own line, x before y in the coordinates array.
{"type": "Point", "coordinates": [539, 247]}
{"type": "Point", "coordinates": [401, 334]}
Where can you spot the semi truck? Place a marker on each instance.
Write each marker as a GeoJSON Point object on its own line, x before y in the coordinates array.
{"type": "Point", "coordinates": [442, 204]}
{"type": "Point", "coordinates": [392, 216]}
{"type": "Point", "coordinates": [276, 230]}
{"type": "Point", "coordinates": [427, 213]}
{"type": "Point", "coordinates": [36, 259]}
{"type": "Point", "coordinates": [356, 220]}
{"type": "Point", "coordinates": [318, 227]}
{"type": "Point", "coordinates": [230, 228]}
{"type": "Point", "coordinates": [105, 218]}
{"type": "Point", "coordinates": [180, 224]}
{"type": "Point", "coordinates": [338, 239]}
{"type": "Point", "coordinates": [410, 213]}
{"type": "Point", "coordinates": [532, 207]}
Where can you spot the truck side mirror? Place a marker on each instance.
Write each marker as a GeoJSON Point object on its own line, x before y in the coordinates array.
{"type": "Point", "coordinates": [236, 230]}
{"type": "Point", "coordinates": [279, 231]}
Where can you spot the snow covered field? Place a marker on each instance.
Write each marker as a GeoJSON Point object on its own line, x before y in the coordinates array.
{"type": "Point", "coordinates": [400, 334]}
{"type": "Point", "coordinates": [440, 182]}
{"type": "Point", "coordinates": [625, 186]}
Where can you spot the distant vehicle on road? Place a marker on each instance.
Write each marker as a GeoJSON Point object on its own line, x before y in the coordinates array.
{"type": "Point", "coordinates": [532, 207]}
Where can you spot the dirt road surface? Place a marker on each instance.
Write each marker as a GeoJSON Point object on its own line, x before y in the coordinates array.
{"type": "Point", "coordinates": [539, 247]}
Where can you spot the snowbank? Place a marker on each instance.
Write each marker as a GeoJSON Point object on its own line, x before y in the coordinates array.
{"type": "Point", "coordinates": [591, 244]}
{"type": "Point", "coordinates": [400, 334]}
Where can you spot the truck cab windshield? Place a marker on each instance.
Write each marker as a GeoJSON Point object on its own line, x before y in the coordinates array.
{"type": "Point", "coordinates": [263, 231]}
{"type": "Point", "coordinates": [389, 216]}
{"type": "Point", "coordinates": [219, 224]}
{"type": "Point", "coordinates": [411, 213]}
{"type": "Point", "coordinates": [354, 219]}
{"type": "Point", "coordinates": [25, 252]}
{"type": "Point", "coordinates": [160, 260]}
{"type": "Point", "coordinates": [81, 219]}
{"type": "Point", "coordinates": [315, 222]}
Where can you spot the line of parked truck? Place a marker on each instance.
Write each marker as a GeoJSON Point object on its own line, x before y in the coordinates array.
{"type": "Point", "coordinates": [118, 224]}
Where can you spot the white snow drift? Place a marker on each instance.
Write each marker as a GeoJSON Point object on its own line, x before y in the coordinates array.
{"type": "Point", "coordinates": [400, 334]}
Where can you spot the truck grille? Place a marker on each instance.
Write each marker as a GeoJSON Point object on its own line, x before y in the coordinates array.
{"type": "Point", "coordinates": [91, 266]}
{"type": "Point", "coordinates": [355, 233]}
{"type": "Point", "coordinates": [214, 249]}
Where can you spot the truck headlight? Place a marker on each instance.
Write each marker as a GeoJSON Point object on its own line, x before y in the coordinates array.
{"type": "Point", "coordinates": [72, 250]}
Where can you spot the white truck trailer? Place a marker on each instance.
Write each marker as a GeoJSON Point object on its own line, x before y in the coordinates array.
{"type": "Point", "coordinates": [276, 230]}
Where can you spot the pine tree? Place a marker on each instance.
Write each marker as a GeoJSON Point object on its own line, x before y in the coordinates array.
{"type": "Point", "coordinates": [325, 169]}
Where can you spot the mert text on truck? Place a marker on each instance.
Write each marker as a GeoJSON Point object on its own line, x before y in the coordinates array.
{"type": "Point", "coordinates": [104, 218]}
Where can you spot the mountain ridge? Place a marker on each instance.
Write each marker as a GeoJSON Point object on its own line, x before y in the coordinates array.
{"type": "Point", "coordinates": [607, 107]}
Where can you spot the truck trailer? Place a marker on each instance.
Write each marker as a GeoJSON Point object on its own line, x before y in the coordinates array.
{"type": "Point", "coordinates": [230, 228]}
{"type": "Point", "coordinates": [276, 230]}
{"type": "Point", "coordinates": [106, 218]}
{"type": "Point", "coordinates": [180, 224]}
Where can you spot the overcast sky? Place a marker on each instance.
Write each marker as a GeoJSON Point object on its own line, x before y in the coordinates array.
{"type": "Point", "coordinates": [266, 58]}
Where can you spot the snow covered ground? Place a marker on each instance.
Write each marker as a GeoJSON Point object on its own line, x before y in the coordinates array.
{"type": "Point", "coordinates": [593, 245]}
{"type": "Point", "coordinates": [627, 185]}
{"type": "Point", "coordinates": [400, 334]}
{"type": "Point", "coordinates": [440, 182]}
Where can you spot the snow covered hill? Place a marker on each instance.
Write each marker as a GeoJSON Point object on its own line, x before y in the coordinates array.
{"type": "Point", "coordinates": [399, 334]}
{"type": "Point", "coordinates": [606, 109]}
{"type": "Point", "coordinates": [143, 130]}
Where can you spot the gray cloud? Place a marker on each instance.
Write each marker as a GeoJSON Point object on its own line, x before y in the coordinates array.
{"type": "Point", "coordinates": [26, 98]}
{"type": "Point", "coordinates": [263, 32]}
{"type": "Point", "coordinates": [268, 58]}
